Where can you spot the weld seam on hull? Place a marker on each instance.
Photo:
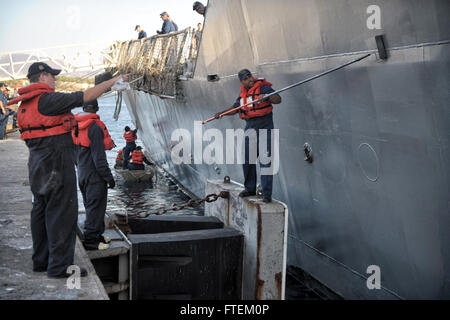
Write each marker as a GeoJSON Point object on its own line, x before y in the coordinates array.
{"type": "Point", "coordinates": [343, 265]}
{"type": "Point", "coordinates": [420, 45]}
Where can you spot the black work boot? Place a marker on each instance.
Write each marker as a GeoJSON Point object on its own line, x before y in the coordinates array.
{"type": "Point", "coordinates": [96, 245]}
{"type": "Point", "coordinates": [83, 274]}
{"type": "Point", "coordinates": [246, 193]}
{"type": "Point", "coordinates": [267, 199]}
{"type": "Point", "coordinates": [39, 269]}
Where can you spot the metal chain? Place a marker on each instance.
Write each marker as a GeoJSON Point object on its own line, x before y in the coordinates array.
{"type": "Point", "coordinates": [193, 203]}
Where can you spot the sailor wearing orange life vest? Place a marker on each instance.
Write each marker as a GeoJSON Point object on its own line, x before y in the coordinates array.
{"type": "Point", "coordinates": [94, 176]}
{"type": "Point", "coordinates": [257, 116]}
{"type": "Point", "coordinates": [45, 123]}
{"type": "Point", "coordinates": [119, 159]}
{"type": "Point", "coordinates": [138, 160]}
{"type": "Point", "coordinates": [130, 137]}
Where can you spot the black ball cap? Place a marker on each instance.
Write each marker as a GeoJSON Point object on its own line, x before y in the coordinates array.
{"type": "Point", "coordinates": [39, 67]}
{"type": "Point", "coordinates": [243, 74]}
{"type": "Point", "coordinates": [196, 5]}
{"type": "Point", "coordinates": [93, 103]}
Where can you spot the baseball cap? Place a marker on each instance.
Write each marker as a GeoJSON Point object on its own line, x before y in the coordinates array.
{"type": "Point", "coordinates": [39, 67]}
{"type": "Point", "coordinates": [243, 74]}
{"type": "Point", "coordinates": [164, 14]}
{"type": "Point", "coordinates": [93, 103]}
{"type": "Point", "coordinates": [137, 26]}
{"type": "Point", "coordinates": [196, 4]}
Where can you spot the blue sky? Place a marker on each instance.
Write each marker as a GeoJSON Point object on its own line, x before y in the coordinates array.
{"type": "Point", "coordinates": [29, 24]}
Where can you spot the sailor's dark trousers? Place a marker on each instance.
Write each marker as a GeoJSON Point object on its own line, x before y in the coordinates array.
{"type": "Point", "coordinates": [250, 175]}
{"type": "Point", "coordinates": [95, 195]}
{"type": "Point", "coordinates": [129, 148]}
{"type": "Point", "coordinates": [55, 208]}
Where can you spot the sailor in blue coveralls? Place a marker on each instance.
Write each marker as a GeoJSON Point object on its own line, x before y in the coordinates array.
{"type": "Point", "coordinates": [257, 116]}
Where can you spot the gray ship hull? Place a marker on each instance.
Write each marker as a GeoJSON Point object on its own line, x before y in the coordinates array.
{"type": "Point", "coordinates": [377, 193]}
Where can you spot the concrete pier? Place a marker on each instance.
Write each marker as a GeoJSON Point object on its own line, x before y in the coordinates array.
{"type": "Point", "coordinates": [265, 229]}
{"type": "Point", "coordinates": [17, 279]}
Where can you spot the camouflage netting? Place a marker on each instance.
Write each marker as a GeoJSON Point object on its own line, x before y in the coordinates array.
{"type": "Point", "coordinates": [160, 60]}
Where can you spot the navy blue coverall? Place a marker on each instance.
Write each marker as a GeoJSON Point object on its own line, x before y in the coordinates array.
{"type": "Point", "coordinates": [167, 27]}
{"type": "Point", "coordinates": [53, 183]}
{"type": "Point", "coordinates": [93, 178]}
{"type": "Point", "coordinates": [250, 174]}
{"type": "Point", "coordinates": [142, 35]}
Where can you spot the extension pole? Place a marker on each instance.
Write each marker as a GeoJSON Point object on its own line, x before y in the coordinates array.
{"type": "Point", "coordinates": [290, 87]}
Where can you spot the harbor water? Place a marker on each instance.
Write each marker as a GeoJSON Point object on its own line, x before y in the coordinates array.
{"type": "Point", "coordinates": [141, 198]}
{"type": "Point", "coordinates": [135, 198]}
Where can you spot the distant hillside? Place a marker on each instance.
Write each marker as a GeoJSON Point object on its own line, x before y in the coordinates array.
{"type": "Point", "coordinates": [63, 84]}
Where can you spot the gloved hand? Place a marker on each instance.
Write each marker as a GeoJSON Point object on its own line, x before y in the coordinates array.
{"type": "Point", "coordinates": [111, 184]}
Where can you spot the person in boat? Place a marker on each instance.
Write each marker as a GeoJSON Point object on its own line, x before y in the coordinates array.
{"type": "Point", "coordinates": [167, 26]}
{"type": "Point", "coordinates": [46, 123]}
{"type": "Point", "coordinates": [199, 7]}
{"type": "Point", "coordinates": [138, 160]}
{"type": "Point", "coordinates": [92, 139]}
{"type": "Point", "coordinates": [258, 116]}
{"type": "Point", "coordinates": [130, 137]}
{"type": "Point", "coordinates": [119, 159]}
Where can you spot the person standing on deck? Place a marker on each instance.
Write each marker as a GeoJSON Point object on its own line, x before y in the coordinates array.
{"type": "Point", "coordinates": [258, 116]}
{"type": "Point", "coordinates": [142, 33]}
{"type": "Point", "coordinates": [175, 26]}
{"type": "Point", "coordinates": [167, 26]}
{"type": "Point", "coordinates": [94, 176]}
{"type": "Point", "coordinates": [46, 124]}
{"type": "Point", "coordinates": [198, 36]}
{"type": "Point", "coordinates": [200, 8]}
{"type": "Point", "coordinates": [130, 137]}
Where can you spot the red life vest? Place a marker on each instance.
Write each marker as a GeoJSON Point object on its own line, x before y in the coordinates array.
{"type": "Point", "coordinates": [258, 109]}
{"type": "Point", "coordinates": [129, 137]}
{"type": "Point", "coordinates": [32, 123]}
{"type": "Point", "coordinates": [138, 157]}
{"type": "Point", "coordinates": [119, 155]}
{"type": "Point", "coordinates": [80, 134]}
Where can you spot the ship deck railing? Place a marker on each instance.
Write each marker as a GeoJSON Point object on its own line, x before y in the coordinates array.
{"type": "Point", "coordinates": [159, 61]}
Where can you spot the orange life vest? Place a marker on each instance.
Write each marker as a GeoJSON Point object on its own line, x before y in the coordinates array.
{"type": "Point", "coordinates": [80, 134]}
{"type": "Point", "coordinates": [129, 137]}
{"type": "Point", "coordinates": [257, 109]}
{"type": "Point", "coordinates": [120, 155]}
{"type": "Point", "coordinates": [32, 123]}
{"type": "Point", "coordinates": [137, 157]}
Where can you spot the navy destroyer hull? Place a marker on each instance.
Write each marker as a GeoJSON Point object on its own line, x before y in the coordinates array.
{"type": "Point", "coordinates": [377, 193]}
